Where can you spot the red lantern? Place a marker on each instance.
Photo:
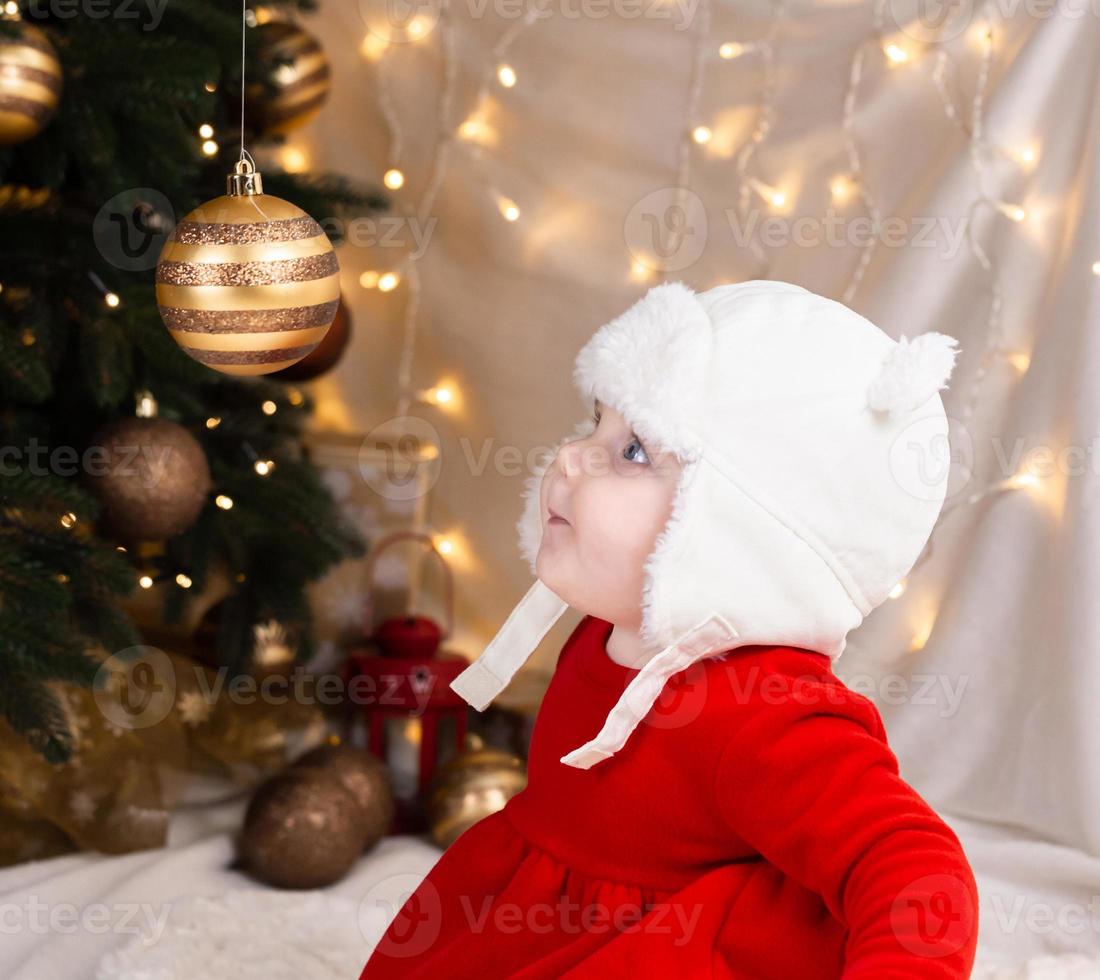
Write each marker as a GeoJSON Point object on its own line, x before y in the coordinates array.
{"type": "Point", "coordinates": [406, 674]}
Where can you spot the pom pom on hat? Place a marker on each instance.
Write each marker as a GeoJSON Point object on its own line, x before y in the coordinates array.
{"type": "Point", "coordinates": [912, 373]}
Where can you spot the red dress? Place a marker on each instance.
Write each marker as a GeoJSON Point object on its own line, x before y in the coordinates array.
{"type": "Point", "coordinates": [753, 826]}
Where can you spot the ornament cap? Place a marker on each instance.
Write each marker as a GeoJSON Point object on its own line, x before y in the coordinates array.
{"type": "Point", "coordinates": [244, 180]}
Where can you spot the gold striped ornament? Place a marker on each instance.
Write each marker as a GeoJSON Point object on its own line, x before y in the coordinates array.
{"type": "Point", "coordinates": [248, 283]}
{"type": "Point", "coordinates": [296, 65]}
{"type": "Point", "coordinates": [30, 82]}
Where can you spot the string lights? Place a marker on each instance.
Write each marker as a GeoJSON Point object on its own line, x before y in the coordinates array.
{"type": "Point", "coordinates": [748, 184]}
{"type": "Point", "coordinates": [899, 51]}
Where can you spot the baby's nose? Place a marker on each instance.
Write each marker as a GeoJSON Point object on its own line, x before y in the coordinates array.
{"type": "Point", "coordinates": [569, 458]}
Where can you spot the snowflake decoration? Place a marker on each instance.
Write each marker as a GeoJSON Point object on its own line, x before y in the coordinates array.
{"type": "Point", "coordinates": [194, 708]}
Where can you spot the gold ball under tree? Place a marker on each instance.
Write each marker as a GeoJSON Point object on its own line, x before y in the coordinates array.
{"type": "Point", "coordinates": [302, 80]}
{"type": "Point", "coordinates": [30, 83]}
{"type": "Point", "coordinates": [247, 283]}
{"type": "Point", "coordinates": [302, 829]}
{"type": "Point", "coordinates": [151, 477]}
{"type": "Point", "coordinates": [365, 777]}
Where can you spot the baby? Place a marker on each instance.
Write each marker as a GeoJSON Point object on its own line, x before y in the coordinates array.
{"type": "Point", "coordinates": [705, 797]}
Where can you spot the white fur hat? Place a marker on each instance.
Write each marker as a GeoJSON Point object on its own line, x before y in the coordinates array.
{"type": "Point", "coordinates": [815, 463]}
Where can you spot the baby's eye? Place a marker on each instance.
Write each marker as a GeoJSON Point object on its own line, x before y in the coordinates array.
{"type": "Point", "coordinates": [641, 449]}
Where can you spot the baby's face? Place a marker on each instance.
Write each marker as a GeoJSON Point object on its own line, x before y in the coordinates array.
{"type": "Point", "coordinates": [614, 496]}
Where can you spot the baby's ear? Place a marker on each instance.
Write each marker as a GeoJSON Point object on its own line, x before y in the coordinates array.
{"type": "Point", "coordinates": [912, 373]}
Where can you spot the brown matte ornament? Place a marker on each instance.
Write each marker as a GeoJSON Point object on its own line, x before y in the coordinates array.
{"type": "Point", "coordinates": [248, 283]}
{"type": "Point", "coordinates": [151, 477]}
{"type": "Point", "coordinates": [30, 83]}
{"type": "Point", "coordinates": [302, 829]}
{"type": "Point", "coordinates": [324, 356]}
{"type": "Point", "coordinates": [302, 83]}
{"type": "Point", "coordinates": [365, 777]}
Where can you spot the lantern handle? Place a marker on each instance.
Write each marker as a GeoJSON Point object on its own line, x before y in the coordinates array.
{"type": "Point", "coordinates": [372, 560]}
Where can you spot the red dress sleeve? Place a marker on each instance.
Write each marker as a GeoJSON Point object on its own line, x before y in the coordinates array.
{"type": "Point", "coordinates": [808, 780]}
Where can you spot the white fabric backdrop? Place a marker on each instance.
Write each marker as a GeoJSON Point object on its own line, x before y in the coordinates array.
{"type": "Point", "coordinates": [594, 127]}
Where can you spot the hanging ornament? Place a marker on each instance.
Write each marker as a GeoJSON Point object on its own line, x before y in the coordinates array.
{"type": "Point", "coordinates": [326, 354]}
{"type": "Point", "coordinates": [30, 82]}
{"type": "Point", "coordinates": [248, 283]}
{"type": "Point", "coordinates": [296, 66]}
{"type": "Point", "coordinates": [152, 479]}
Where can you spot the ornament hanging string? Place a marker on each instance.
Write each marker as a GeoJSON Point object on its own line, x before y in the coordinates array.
{"type": "Point", "coordinates": [244, 152]}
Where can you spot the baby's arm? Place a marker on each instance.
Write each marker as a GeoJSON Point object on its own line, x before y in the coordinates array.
{"type": "Point", "coordinates": [806, 782]}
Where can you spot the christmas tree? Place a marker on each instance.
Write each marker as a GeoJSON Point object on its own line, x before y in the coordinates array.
{"type": "Point", "coordinates": [125, 132]}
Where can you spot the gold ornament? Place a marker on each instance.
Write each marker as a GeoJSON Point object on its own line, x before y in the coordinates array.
{"type": "Point", "coordinates": [30, 83]}
{"type": "Point", "coordinates": [474, 784]}
{"type": "Point", "coordinates": [326, 354]}
{"type": "Point", "coordinates": [301, 82]}
{"type": "Point", "coordinates": [302, 829]}
{"type": "Point", "coordinates": [365, 777]}
{"type": "Point", "coordinates": [151, 477]}
{"type": "Point", "coordinates": [248, 283]}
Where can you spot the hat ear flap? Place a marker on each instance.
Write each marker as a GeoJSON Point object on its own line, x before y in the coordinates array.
{"type": "Point", "coordinates": [912, 373]}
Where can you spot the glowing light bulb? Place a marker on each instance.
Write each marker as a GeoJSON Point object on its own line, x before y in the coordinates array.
{"type": "Point", "coordinates": [209, 147]}
{"type": "Point", "coordinates": [442, 394]}
{"type": "Point", "coordinates": [269, 407]}
{"type": "Point", "coordinates": [146, 581]}
{"type": "Point", "coordinates": [373, 46]}
{"type": "Point", "coordinates": [393, 178]}
{"type": "Point", "coordinates": [112, 300]}
{"type": "Point", "coordinates": [419, 27]}
{"type": "Point", "coordinates": [1096, 268]}
{"type": "Point", "coordinates": [213, 422]}
{"type": "Point", "coordinates": [388, 281]}
{"type": "Point", "coordinates": [920, 638]}
{"type": "Point", "coordinates": [68, 520]}
{"type": "Point", "coordinates": [899, 588]}
{"type": "Point", "coordinates": [506, 74]}
{"type": "Point", "coordinates": [1021, 480]}
{"type": "Point", "coordinates": [183, 581]}
{"type": "Point", "coordinates": [1027, 155]}
{"type": "Point", "coordinates": [842, 188]}
{"type": "Point", "coordinates": [1020, 360]}
{"type": "Point", "coordinates": [293, 160]}
{"type": "Point", "coordinates": [224, 502]}
{"type": "Point", "coordinates": [445, 546]}
{"type": "Point", "coordinates": [701, 134]}
{"type": "Point", "coordinates": [1013, 211]}
{"type": "Point", "coordinates": [770, 194]}
{"type": "Point", "coordinates": [732, 49]}
{"type": "Point", "coordinates": [264, 466]}
{"type": "Point", "coordinates": [206, 131]}
{"type": "Point", "coordinates": [471, 129]}
{"type": "Point", "coordinates": [508, 208]}
{"type": "Point", "coordinates": [640, 271]}
{"type": "Point", "coordinates": [895, 53]}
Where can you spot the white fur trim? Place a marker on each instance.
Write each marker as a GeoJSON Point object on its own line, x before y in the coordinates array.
{"type": "Point", "coordinates": [650, 364]}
